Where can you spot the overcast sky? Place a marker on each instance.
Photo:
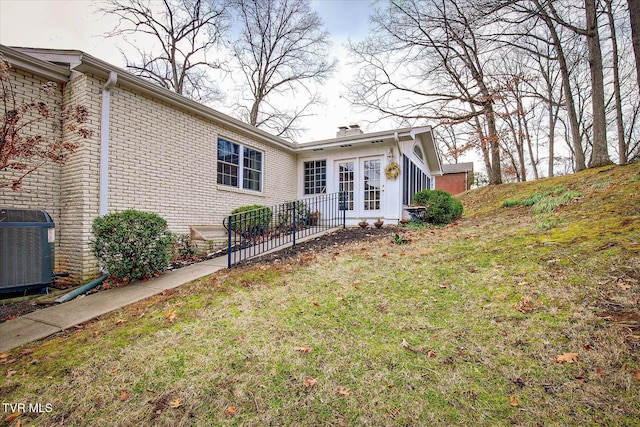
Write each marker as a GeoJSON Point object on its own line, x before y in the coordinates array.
{"type": "Point", "coordinates": [74, 24]}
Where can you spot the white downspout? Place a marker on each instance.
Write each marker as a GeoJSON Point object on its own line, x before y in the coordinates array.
{"type": "Point", "coordinates": [104, 141]}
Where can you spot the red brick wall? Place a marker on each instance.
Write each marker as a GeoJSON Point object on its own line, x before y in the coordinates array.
{"type": "Point", "coordinates": [451, 182]}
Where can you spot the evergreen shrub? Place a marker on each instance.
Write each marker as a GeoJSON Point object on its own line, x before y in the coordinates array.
{"type": "Point", "coordinates": [441, 207]}
{"type": "Point", "coordinates": [131, 245]}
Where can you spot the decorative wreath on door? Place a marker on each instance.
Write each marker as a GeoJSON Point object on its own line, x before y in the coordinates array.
{"type": "Point", "coordinates": [392, 170]}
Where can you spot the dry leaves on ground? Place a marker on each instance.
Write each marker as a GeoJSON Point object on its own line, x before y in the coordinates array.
{"type": "Point", "coordinates": [567, 358]}
{"type": "Point", "coordinates": [170, 315]}
{"type": "Point", "coordinates": [310, 382]}
{"type": "Point", "coordinates": [342, 391]}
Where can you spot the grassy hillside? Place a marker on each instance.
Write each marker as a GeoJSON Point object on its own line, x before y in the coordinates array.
{"type": "Point", "coordinates": [525, 312]}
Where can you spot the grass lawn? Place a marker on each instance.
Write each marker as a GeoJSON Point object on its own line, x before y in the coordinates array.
{"type": "Point", "coordinates": [522, 313]}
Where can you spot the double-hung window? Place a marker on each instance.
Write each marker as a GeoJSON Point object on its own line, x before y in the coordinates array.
{"type": "Point", "coordinates": [239, 166]}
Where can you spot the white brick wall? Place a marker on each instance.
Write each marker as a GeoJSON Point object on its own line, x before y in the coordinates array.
{"type": "Point", "coordinates": [164, 160]}
{"type": "Point", "coordinates": [161, 160]}
{"type": "Point", "coordinates": [80, 184]}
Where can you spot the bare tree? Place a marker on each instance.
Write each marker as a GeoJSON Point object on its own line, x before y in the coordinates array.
{"type": "Point", "coordinates": [599, 146]}
{"type": "Point", "coordinates": [549, 76]}
{"type": "Point", "coordinates": [282, 49]}
{"type": "Point", "coordinates": [427, 60]}
{"type": "Point", "coordinates": [25, 145]}
{"type": "Point", "coordinates": [182, 35]}
{"type": "Point", "coordinates": [451, 142]}
{"type": "Point", "coordinates": [537, 10]}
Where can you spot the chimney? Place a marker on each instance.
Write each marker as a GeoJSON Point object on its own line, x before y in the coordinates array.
{"type": "Point", "coordinates": [349, 130]}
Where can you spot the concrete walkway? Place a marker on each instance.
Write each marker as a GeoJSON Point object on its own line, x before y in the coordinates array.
{"type": "Point", "coordinates": [48, 321]}
{"type": "Point", "coordinates": [42, 323]}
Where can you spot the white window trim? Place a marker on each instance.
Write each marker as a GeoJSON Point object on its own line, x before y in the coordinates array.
{"type": "Point", "coordinates": [240, 187]}
{"type": "Point", "coordinates": [304, 176]}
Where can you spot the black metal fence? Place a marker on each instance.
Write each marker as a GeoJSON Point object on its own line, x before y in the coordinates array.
{"type": "Point", "coordinates": [257, 231]}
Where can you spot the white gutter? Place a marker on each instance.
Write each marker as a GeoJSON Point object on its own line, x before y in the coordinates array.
{"type": "Point", "coordinates": [104, 141]}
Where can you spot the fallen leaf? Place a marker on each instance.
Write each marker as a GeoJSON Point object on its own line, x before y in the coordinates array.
{"type": "Point", "coordinates": [175, 403]}
{"type": "Point", "coordinates": [304, 350]}
{"type": "Point", "coordinates": [10, 373]}
{"type": "Point", "coordinates": [119, 321]}
{"type": "Point", "coordinates": [500, 297]}
{"type": "Point", "coordinates": [123, 395]}
{"type": "Point", "coordinates": [316, 304]}
{"type": "Point", "coordinates": [5, 355]}
{"type": "Point", "coordinates": [431, 353]}
{"type": "Point", "coordinates": [230, 410]}
{"type": "Point", "coordinates": [513, 401]}
{"type": "Point", "coordinates": [525, 305]}
{"type": "Point", "coordinates": [12, 416]}
{"type": "Point", "coordinates": [25, 352]}
{"type": "Point", "coordinates": [567, 358]}
{"type": "Point", "coordinates": [443, 286]}
{"type": "Point", "coordinates": [310, 382]}
{"type": "Point", "coordinates": [636, 375]}
{"type": "Point", "coordinates": [342, 391]}
{"type": "Point", "coordinates": [170, 315]}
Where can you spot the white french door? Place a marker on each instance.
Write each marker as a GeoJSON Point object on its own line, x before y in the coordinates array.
{"type": "Point", "coordinates": [371, 187]}
{"type": "Point", "coordinates": [362, 182]}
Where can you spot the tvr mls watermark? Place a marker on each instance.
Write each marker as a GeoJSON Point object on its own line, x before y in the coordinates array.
{"type": "Point", "coordinates": [37, 408]}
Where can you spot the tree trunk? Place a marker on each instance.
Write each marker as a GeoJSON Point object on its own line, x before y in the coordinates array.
{"type": "Point", "coordinates": [553, 119]}
{"type": "Point", "coordinates": [495, 174]}
{"type": "Point", "coordinates": [634, 15]}
{"type": "Point", "coordinates": [524, 132]}
{"type": "Point", "coordinates": [599, 151]}
{"type": "Point", "coordinates": [253, 114]}
{"type": "Point", "coordinates": [534, 159]}
{"type": "Point", "coordinates": [483, 144]}
{"type": "Point", "coordinates": [622, 147]}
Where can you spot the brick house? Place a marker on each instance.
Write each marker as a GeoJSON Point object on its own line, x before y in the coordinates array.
{"type": "Point", "coordinates": [157, 151]}
{"type": "Point", "coordinates": [456, 178]}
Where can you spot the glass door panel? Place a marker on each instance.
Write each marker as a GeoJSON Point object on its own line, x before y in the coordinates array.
{"type": "Point", "coordinates": [346, 183]}
{"type": "Point", "coordinates": [372, 192]}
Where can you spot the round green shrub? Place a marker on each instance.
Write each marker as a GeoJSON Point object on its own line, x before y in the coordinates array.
{"type": "Point", "coordinates": [251, 219]}
{"type": "Point", "coordinates": [131, 245]}
{"type": "Point", "coordinates": [441, 207]}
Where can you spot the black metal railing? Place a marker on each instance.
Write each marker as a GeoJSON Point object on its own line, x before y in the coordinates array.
{"type": "Point", "coordinates": [253, 232]}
